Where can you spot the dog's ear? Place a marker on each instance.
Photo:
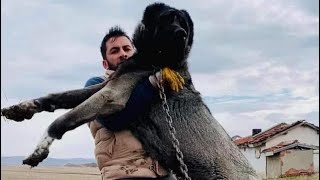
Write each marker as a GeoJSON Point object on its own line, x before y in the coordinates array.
{"type": "Point", "coordinates": [190, 23]}
{"type": "Point", "coordinates": [138, 36]}
{"type": "Point", "coordinates": [151, 10]}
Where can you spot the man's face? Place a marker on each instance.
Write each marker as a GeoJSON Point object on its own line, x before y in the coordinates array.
{"type": "Point", "coordinates": [118, 48]}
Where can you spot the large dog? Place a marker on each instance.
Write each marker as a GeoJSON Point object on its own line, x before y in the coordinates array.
{"type": "Point", "coordinates": [163, 39]}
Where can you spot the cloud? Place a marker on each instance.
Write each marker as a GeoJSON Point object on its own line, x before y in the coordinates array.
{"type": "Point", "coordinates": [259, 79]}
{"type": "Point", "coordinates": [260, 96]}
{"type": "Point", "coordinates": [242, 13]}
{"type": "Point", "coordinates": [255, 62]}
{"type": "Point", "coordinates": [252, 114]}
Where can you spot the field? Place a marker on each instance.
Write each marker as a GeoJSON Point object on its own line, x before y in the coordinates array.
{"type": "Point", "coordinates": [314, 177]}
{"type": "Point", "coordinates": [72, 173]}
{"type": "Point", "coordinates": [49, 173]}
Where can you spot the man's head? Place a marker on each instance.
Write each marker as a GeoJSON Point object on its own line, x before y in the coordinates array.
{"type": "Point", "coordinates": [115, 47]}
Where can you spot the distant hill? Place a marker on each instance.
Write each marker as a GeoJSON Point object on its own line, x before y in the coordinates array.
{"type": "Point", "coordinates": [17, 160]}
{"type": "Point", "coordinates": [81, 165]}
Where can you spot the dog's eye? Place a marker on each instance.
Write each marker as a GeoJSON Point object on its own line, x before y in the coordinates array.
{"type": "Point", "coordinates": [183, 22]}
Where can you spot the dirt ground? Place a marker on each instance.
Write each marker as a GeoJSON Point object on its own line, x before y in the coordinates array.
{"type": "Point", "coordinates": [314, 177]}
{"type": "Point", "coordinates": [73, 173]}
{"type": "Point", "coordinates": [49, 173]}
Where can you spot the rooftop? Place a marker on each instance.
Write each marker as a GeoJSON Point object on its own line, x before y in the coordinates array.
{"type": "Point", "coordinates": [269, 133]}
{"type": "Point", "coordinates": [294, 144]}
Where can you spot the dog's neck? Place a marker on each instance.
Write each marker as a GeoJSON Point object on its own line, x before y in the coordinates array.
{"type": "Point", "coordinates": [156, 60]}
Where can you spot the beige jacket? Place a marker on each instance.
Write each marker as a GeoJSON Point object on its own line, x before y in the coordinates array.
{"type": "Point", "coordinates": [120, 154]}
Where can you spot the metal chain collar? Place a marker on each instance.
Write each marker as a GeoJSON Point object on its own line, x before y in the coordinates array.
{"type": "Point", "coordinates": [175, 141]}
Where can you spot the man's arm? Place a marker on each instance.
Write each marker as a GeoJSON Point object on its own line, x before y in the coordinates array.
{"type": "Point", "coordinates": [94, 81]}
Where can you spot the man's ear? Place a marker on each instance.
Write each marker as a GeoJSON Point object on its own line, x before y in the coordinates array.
{"type": "Point", "coordinates": [105, 64]}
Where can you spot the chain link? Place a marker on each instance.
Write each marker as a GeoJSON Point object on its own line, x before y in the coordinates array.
{"type": "Point", "coordinates": [175, 141]}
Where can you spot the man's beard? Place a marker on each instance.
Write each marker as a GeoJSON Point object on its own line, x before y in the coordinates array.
{"type": "Point", "coordinates": [115, 66]}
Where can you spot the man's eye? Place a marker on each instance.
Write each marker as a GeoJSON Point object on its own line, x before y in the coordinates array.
{"type": "Point", "coordinates": [113, 52]}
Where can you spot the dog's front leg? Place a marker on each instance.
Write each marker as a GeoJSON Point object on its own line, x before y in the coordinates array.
{"type": "Point", "coordinates": [41, 152]}
{"type": "Point", "coordinates": [106, 100]}
{"type": "Point", "coordinates": [83, 113]}
{"type": "Point", "coordinates": [51, 102]}
{"type": "Point", "coordinates": [110, 99]}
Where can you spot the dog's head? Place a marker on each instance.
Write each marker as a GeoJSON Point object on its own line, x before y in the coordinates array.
{"type": "Point", "coordinates": [164, 37]}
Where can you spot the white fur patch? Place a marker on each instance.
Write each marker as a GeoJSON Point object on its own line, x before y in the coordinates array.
{"type": "Point", "coordinates": [30, 105]}
{"type": "Point", "coordinates": [44, 144]}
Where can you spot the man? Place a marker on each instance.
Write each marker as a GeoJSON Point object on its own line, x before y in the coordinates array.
{"type": "Point", "coordinates": [118, 153]}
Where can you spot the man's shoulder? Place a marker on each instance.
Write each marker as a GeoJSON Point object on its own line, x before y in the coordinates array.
{"type": "Point", "coordinates": [94, 80]}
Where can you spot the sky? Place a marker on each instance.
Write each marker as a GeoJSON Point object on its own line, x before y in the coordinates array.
{"type": "Point", "coordinates": [255, 62]}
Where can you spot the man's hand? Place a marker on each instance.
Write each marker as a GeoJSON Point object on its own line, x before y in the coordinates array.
{"type": "Point", "coordinates": [167, 77]}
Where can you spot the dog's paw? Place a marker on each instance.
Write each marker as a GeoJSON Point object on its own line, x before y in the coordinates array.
{"type": "Point", "coordinates": [41, 152]}
{"type": "Point", "coordinates": [36, 157]}
{"type": "Point", "coordinates": [21, 111]}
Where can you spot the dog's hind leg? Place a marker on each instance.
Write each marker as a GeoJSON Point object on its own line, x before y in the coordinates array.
{"type": "Point", "coordinates": [51, 102]}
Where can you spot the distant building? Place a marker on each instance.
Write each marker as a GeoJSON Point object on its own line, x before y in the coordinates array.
{"type": "Point", "coordinates": [282, 150]}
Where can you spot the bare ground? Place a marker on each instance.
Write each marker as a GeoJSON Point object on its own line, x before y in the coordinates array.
{"type": "Point", "coordinates": [74, 173]}
{"type": "Point", "coordinates": [49, 173]}
{"type": "Point", "coordinates": [313, 177]}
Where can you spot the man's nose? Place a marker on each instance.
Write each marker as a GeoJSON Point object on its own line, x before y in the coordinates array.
{"type": "Point", "coordinates": [123, 55]}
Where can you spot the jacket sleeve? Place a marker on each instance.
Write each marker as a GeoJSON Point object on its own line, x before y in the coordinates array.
{"type": "Point", "coordinates": [139, 102]}
{"type": "Point", "coordinates": [94, 81]}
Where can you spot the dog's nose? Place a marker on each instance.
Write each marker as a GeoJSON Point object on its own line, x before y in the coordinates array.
{"type": "Point", "coordinates": [180, 33]}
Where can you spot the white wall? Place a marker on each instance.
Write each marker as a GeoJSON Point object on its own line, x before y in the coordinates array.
{"type": "Point", "coordinates": [258, 164]}
{"type": "Point", "coordinates": [303, 134]}
{"type": "Point", "coordinates": [316, 160]}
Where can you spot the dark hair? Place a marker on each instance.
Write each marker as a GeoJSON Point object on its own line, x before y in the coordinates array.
{"type": "Point", "coordinates": [115, 31]}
